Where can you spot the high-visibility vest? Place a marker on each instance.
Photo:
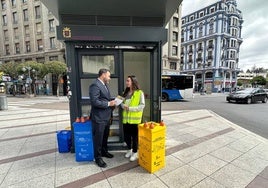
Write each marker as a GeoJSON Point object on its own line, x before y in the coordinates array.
{"type": "Point", "coordinates": [133, 117]}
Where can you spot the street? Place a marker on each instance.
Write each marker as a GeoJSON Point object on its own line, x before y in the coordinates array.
{"type": "Point", "coordinates": [252, 117]}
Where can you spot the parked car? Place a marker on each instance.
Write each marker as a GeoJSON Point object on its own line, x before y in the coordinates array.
{"type": "Point", "coordinates": [266, 90]}
{"type": "Point", "coordinates": [248, 95]}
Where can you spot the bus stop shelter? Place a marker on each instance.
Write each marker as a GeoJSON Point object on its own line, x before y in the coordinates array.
{"type": "Point", "coordinates": [123, 36]}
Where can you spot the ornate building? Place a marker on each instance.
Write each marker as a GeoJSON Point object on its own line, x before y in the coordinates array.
{"type": "Point", "coordinates": [28, 33]}
{"type": "Point", "coordinates": [210, 43]}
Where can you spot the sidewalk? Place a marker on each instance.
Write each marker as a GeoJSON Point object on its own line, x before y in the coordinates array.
{"type": "Point", "coordinates": [202, 150]}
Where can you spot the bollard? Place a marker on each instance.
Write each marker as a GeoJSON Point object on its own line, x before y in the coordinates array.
{"type": "Point", "coordinates": [3, 102]}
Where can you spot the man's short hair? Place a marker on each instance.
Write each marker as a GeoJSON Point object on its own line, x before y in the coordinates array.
{"type": "Point", "coordinates": [102, 71]}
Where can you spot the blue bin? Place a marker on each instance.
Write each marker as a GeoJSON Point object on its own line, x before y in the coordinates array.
{"type": "Point", "coordinates": [64, 141]}
{"type": "Point", "coordinates": [83, 141]}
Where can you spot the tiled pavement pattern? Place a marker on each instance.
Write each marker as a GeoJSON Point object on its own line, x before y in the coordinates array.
{"type": "Point", "coordinates": [203, 150]}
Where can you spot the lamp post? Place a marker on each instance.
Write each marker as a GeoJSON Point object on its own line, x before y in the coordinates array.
{"type": "Point", "coordinates": [29, 79]}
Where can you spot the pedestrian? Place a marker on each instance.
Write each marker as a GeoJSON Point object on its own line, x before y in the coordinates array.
{"type": "Point", "coordinates": [101, 112]}
{"type": "Point", "coordinates": [133, 106]}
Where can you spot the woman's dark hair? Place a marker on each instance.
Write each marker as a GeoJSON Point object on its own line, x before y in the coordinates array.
{"type": "Point", "coordinates": [135, 85]}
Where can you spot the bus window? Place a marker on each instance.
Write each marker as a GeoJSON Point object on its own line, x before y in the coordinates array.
{"type": "Point", "coordinates": [177, 87]}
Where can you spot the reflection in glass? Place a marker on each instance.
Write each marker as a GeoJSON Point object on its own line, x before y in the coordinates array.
{"type": "Point", "coordinates": [91, 64]}
{"type": "Point", "coordinates": [85, 83]}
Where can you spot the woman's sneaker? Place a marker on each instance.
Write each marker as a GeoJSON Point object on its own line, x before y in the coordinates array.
{"type": "Point", "coordinates": [128, 154]}
{"type": "Point", "coordinates": [134, 156]}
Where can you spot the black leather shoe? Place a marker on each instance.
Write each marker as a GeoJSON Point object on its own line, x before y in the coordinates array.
{"type": "Point", "coordinates": [107, 154]}
{"type": "Point", "coordinates": [100, 163]}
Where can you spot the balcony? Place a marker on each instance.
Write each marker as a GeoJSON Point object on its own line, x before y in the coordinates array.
{"type": "Point", "coordinates": [200, 49]}
{"type": "Point", "coordinates": [210, 46]}
{"type": "Point", "coordinates": [190, 51]}
{"type": "Point", "coordinates": [199, 59]}
{"type": "Point", "coordinates": [209, 58]}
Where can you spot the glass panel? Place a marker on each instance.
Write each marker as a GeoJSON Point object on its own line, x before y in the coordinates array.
{"type": "Point", "coordinates": [138, 64]}
{"type": "Point", "coordinates": [85, 83]}
{"type": "Point", "coordinates": [93, 63]}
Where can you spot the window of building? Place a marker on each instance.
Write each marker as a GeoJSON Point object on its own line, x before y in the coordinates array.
{"type": "Point", "coordinates": [212, 9]}
{"type": "Point", "coordinates": [37, 12]}
{"type": "Point", "coordinates": [173, 65]}
{"type": "Point", "coordinates": [13, 3]}
{"type": "Point", "coordinates": [39, 45]}
{"type": "Point", "coordinates": [191, 18]}
{"type": "Point", "coordinates": [15, 17]}
{"type": "Point", "coordinates": [234, 32]}
{"type": "Point", "coordinates": [4, 20]}
{"type": "Point", "coordinates": [51, 25]}
{"type": "Point", "coordinates": [38, 28]}
{"type": "Point", "coordinates": [52, 42]}
{"type": "Point", "coordinates": [175, 22]}
{"type": "Point", "coordinates": [4, 5]}
{"type": "Point", "coordinates": [191, 33]}
{"type": "Point", "coordinates": [182, 35]}
{"type": "Point", "coordinates": [200, 30]}
{"type": "Point", "coordinates": [53, 58]}
{"type": "Point", "coordinates": [190, 60]}
{"type": "Point", "coordinates": [175, 36]}
{"type": "Point", "coordinates": [25, 15]}
{"type": "Point", "coordinates": [40, 60]}
{"type": "Point", "coordinates": [24, 1]}
{"type": "Point", "coordinates": [201, 14]}
{"type": "Point", "coordinates": [16, 33]}
{"type": "Point", "coordinates": [27, 30]}
{"type": "Point", "coordinates": [232, 54]}
{"type": "Point", "coordinates": [7, 49]}
{"type": "Point", "coordinates": [17, 48]}
{"type": "Point", "coordinates": [6, 34]}
{"type": "Point", "coordinates": [183, 21]}
{"type": "Point", "coordinates": [211, 26]}
{"type": "Point", "coordinates": [200, 46]}
{"type": "Point", "coordinates": [174, 50]}
{"type": "Point", "coordinates": [28, 46]}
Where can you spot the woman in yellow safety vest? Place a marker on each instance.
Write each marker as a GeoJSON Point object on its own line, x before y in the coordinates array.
{"type": "Point", "coordinates": [133, 106]}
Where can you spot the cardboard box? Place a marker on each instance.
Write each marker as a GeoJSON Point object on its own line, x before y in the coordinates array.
{"type": "Point", "coordinates": [152, 147]}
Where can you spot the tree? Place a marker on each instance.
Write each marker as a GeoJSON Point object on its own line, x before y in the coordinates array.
{"type": "Point", "coordinates": [10, 68]}
{"type": "Point", "coordinates": [58, 68]}
{"type": "Point", "coordinates": [258, 80]}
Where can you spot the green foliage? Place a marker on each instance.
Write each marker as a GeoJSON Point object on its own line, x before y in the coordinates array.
{"type": "Point", "coordinates": [259, 80]}
{"type": "Point", "coordinates": [56, 67]}
{"type": "Point", "coordinates": [239, 83]}
{"type": "Point", "coordinates": [10, 69]}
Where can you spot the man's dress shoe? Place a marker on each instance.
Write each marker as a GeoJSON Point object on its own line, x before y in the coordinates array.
{"type": "Point", "coordinates": [107, 154]}
{"type": "Point", "coordinates": [100, 162]}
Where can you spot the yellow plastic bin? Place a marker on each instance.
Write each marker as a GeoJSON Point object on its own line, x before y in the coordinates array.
{"type": "Point", "coordinates": [152, 147]}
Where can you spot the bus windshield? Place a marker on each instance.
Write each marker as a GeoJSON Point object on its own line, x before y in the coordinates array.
{"type": "Point", "coordinates": [177, 87]}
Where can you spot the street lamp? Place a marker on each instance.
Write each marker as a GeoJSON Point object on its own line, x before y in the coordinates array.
{"type": "Point", "coordinates": [29, 79]}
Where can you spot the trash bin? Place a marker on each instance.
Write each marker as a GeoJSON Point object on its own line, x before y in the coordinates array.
{"type": "Point", "coordinates": [3, 102]}
{"type": "Point", "coordinates": [64, 141]}
{"type": "Point", "coordinates": [83, 141]}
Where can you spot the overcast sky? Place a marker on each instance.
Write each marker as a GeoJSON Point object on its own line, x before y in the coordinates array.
{"type": "Point", "coordinates": [254, 49]}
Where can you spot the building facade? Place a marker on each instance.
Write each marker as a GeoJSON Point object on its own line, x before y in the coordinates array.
{"type": "Point", "coordinates": [171, 50]}
{"type": "Point", "coordinates": [210, 43]}
{"type": "Point", "coordinates": [28, 33]}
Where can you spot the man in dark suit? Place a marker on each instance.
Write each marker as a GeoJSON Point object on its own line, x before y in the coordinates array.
{"type": "Point", "coordinates": [101, 111]}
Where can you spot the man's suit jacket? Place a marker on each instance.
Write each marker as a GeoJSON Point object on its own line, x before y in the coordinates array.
{"type": "Point", "coordinates": [99, 98]}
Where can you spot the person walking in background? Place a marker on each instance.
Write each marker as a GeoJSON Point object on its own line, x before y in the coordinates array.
{"type": "Point", "coordinates": [133, 106]}
{"type": "Point", "coordinates": [101, 111]}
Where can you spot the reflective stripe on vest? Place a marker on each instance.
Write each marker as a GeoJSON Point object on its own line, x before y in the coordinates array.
{"type": "Point", "coordinates": [133, 117]}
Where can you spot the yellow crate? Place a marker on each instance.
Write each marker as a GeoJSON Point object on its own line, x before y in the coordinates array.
{"type": "Point", "coordinates": [152, 147]}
